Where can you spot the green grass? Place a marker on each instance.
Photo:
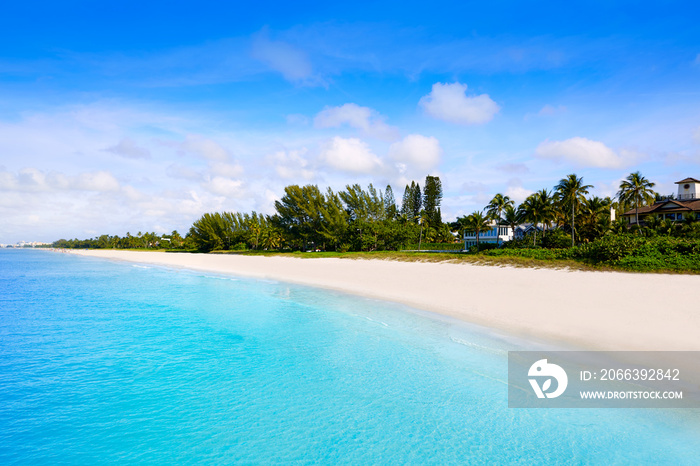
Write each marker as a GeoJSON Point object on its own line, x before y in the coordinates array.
{"type": "Point", "coordinates": [436, 246]}
{"type": "Point", "coordinates": [526, 258]}
{"type": "Point", "coordinates": [448, 257]}
{"type": "Point", "coordinates": [612, 254]}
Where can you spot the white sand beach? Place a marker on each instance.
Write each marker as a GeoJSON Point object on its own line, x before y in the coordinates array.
{"type": "Point", "coordinates": [589, 310]}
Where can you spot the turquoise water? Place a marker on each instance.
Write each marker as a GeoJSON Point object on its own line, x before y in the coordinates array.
{"type": "Point", "coordinates": [104, 362]}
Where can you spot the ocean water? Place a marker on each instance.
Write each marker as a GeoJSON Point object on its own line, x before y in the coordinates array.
{"type": "Point", "coordinates": [105, 362]}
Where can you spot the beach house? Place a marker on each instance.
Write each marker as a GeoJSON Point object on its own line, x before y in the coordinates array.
{"type": "Point", "coordinates": [497, 233]}
{"type": "Point", "coordinates": [524, 229]}
{"type": "Point", "coordinates": [686, 202]}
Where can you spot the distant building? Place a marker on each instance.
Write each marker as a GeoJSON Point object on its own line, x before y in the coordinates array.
{"type": "Point", "coordinates": [686, 202]}
{"type": "Point", "coordinates": [500, 233]}
{"type": "Point", "coordinates": [504, 233]}
{"type": "Point", "coordinates": [25, 244]}
{"type": "Point", "coordinates": [524, 229]}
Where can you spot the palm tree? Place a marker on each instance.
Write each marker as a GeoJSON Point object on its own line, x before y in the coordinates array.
{"type": "Point", "coordinates": [691, 225]}
{"type": "Point", "coordinates": [496, 207]}
{"type": "Point", "coordinates": [532, 210]}
{"type": "Point", "coordinates": [271, 238]}
{"type": "Point", "coordinates": [668, 227]}
{"type": "Point", "coordinates": [545, 202]}
{"type": "Point", "coordinates": [688, 220]}
{"type": "Point", "coordinates": [175, 239]}
{"type": "Point", "coordinates": [571, 192]}
{"type": "Point", "coordinates": [511, 217]}
{"type": "Point", "coordinates": [478, 222]}
{"type": "Point", "coordinates": [636, 189]}
{"type": "Point", "coordinates": [595, 217]}
{"type": "Point", "coordinates": [652, 225]}
{"type": "Point", "coordinates": [619, 226]}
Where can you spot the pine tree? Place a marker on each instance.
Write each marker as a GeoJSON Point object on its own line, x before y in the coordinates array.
{"type": "Point", "coordinates": [432, 198]}
{"type": "Point", "coordinates": [417, 200]}
{"type": "Point", "coordinates": [390, 203]}
{"type": "Point", "coordinates": [407, 203]}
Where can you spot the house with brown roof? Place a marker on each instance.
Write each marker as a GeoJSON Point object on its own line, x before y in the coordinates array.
{"type": "Point", "coordinates": [686, 202]}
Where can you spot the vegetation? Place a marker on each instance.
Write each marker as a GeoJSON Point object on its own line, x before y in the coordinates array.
{"type": "Point", "coordinates": [476, 222]}
{"type": "Point", "coordinates": [308, 219]}
{"type": "Point", "coordinates": [567, 228]}
{"type": "Point", "coordinates": [570, 193]}
{"type": "Point", "coordinates": [498, 205]}
{"type": "Point", "coordinates": [637, 190]}
{"type": "Point", "coordinates": [141, 241]}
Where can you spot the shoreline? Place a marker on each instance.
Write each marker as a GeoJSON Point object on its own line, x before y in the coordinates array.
{"type": "Point", "coordinates": [613, 311]}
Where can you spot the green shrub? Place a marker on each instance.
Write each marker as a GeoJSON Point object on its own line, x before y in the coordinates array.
{"type": "Point", "coordinates": [532, 253]}
{"type": "Point", "coordinates": [608, 248]}
{"type": "Point", "coordinates": [556, 239]}
{"type": "Point", "coordinates": [482, 247]}
{"type": "Point", "coordinates": [632, 252]}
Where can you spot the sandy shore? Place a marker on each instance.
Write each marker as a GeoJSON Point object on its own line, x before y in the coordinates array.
{"type": "Point", "coordinates": [591, 310]}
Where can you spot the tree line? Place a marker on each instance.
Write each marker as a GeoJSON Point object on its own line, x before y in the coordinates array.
{"type": "Point", "coordinates": [141, 241]}
{"type": "Point", "coordinates": [567, 210]}
{"type": "Point", "coordinates": [354, 219]}
{"type": "Point", "coordinates": [307, 218]}
{"type": "Point", "coordinates": [367, 219]}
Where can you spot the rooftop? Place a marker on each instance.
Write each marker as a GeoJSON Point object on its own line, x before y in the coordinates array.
{"type": "Point", "coordinates": [662, 206]}
{"type": "Point", "coordinates": [688, 180]}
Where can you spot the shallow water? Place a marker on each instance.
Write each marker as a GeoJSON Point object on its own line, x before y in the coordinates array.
{"type": "Point", "coordinates": [113, 362]}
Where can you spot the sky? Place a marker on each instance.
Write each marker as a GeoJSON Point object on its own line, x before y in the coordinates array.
{"type": "Point", "coordinates": [142, 116]}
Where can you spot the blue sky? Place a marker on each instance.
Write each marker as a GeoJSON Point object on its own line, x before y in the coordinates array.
{"type": "Point", "coordinates": [141, 116]}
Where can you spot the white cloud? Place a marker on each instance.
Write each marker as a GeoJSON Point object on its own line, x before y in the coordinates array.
{"type": "Point", "coordinates": [229, 170]}
{"type": "Point", "coordinates": [28, 179]}
{"type": "Point", "coordinates": [266, 205]}
{"type": "Point", "coordinates": [182, 172]}
{"type": "Point", "coordinates": [474, 187]}
{"type": "Point", "coordinates": [291, 164]}
{"type": "Point", "coordinates": [223, 186]}
{"type": "Point", "coordinates": [513, 168]}
{"type": "Point", "coordinates": [586, 153]}
{"type": "Point", "coordinates": [350, 155]}
{"type": "Point", "coordinates": [77, 186]}
{"type": "Point", "coordinates": [205, 148]}
{"type": "Point", "coordinates": [518, 193]}
{"type": "Point", "coordinates": [547, 111]}
{"type": "Point", "coordinates": [128, 148]}
{"type": "Point", "coordinates": [133, 194]}
{"type": "Point", "coordinates": [449, 102]}
{"type": "Point", "coordinates": [34, 180]}
{"type": "Point", "coordinates": [370, 122]}
{"type": "Point", "coordinates": [293, 63]}
{"type": "Point", "coordinates": [96, 181]}
{"type": "Point", "coordinates": [416, 152]}
{"type": "Point", "coordinates": [551, 110]}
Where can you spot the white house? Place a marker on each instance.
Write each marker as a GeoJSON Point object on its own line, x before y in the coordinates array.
{"type": "Point", "coordinates": [500, 233]}
{"type": "Point", "coordinates": [505, 233]}
{"type": "Point", "coordinates": [687, 202]}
